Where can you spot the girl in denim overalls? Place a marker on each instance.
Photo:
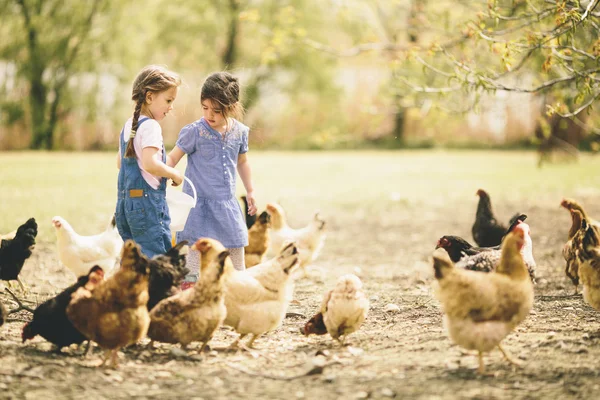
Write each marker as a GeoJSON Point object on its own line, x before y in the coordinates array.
{"type": "Point", "coordinates": [142, 213]}
{"type": "Point", "coordinates": [216, 146]}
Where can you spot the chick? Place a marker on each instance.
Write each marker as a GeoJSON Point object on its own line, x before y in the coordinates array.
{"type": "Point", "coordinates": [343, 310]}
{"type": "Point", "coordinates": [114, 315]}
{"type": "Point", "coordinates": [193, 315]}
{"type": "Point", "coordinates": [258, 240]}
{"type": "Point", "coordinates": [257, 298]}
{"type": "Point", "coordinates": [480, 308]}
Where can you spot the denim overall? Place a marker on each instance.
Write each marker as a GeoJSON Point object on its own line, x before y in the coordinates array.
{"type": "Point", "coordinates": [142, 213]}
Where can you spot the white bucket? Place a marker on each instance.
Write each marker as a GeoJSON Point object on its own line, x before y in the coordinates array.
{"type": "Point", "coordinates": [180, 205]}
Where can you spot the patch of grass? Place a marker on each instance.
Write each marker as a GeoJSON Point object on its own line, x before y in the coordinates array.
{"type": "Point", "coordinates": [81, 187]}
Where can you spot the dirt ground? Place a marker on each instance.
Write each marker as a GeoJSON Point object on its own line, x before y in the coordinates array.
{"type": "Point", "coordinates": [400, 353]}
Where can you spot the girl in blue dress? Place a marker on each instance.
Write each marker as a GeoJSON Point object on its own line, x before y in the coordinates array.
{"type": "Point", "coordinates": [216, 146]}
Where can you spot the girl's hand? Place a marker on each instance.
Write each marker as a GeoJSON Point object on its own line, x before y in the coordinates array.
{"type": "Point", "coordinates": [177, 178]}
{"type": "Point", "coordinates": [251, 203]}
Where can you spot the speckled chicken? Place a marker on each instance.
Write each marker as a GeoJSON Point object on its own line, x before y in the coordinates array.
{"type": "Point", "coordinates": [588, 255]}
{"type": "Point", "coordinates": [257, 298]}
{"type": "Point", "coordinates": [195, 314]}
{"type": "Point", "coordinates": [115, 314]}
{"type": "Point", "coordinates": [480, 309]}
{"type": "Point", "coordinates": [258, 240]}
{"type": "Point", "coordinates": [343, 310]}
{"type": "Point", "coordinates": [573, 240]}
{"type": "Point", "coordinates": [459, 248]}
{"type": "Point", "coordinates": [487, 261]}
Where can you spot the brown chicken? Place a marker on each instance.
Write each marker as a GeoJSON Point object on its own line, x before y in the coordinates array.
{"type": "Point", "coordinates": [481, 309]}
{"type": "Point", "coordinates": [589, 262]}
{"type": "Point", "coordinates": [343, 310]}
{"type": "Point", "coordinates": [193, 315]}
{"type": "Point", "coordinates": [114, 315]}
{"type": "Point", "coordinates": [258, 240]}
{"type": "Point", "coordinates": [573, 240]}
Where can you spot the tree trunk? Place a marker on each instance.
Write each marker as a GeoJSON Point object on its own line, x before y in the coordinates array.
{"type": "Point", "coordinates": [229, 56]}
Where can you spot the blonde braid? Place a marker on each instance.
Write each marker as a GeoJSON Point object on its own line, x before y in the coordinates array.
{"type": "Point", "coordinates": [130, 151]}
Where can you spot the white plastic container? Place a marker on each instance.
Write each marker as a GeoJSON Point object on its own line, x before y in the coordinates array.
{"type": "Point", "coordinates": [180, 205]}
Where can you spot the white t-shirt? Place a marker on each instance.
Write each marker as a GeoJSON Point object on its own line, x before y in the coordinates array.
{"type": "Point", "coordinates": [149, 134]}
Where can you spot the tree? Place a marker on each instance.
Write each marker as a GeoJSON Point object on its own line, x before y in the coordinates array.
{"type": "Point", "coordinates": [49, 41]}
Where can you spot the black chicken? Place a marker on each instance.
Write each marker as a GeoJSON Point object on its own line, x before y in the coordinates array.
{"type": "Point", "coordinates": [250, 219]}
{"type": "Point", "coordinates": [14, 252]}
{"type": "Point", "coordinates": [486, 230]}
{"type": "Point", "coordinates": [167, 271]}
{"type": "Point", "coordinates": [50, 318]}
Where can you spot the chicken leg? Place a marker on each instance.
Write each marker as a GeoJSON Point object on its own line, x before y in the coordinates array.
{"type": "Point", "coordinates": [508, 357]}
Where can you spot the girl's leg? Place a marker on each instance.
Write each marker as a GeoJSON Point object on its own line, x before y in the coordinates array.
{"type": "Point", "coordinates": [237, 257]}
{"type": "Point", "coordinates": [192, 262]}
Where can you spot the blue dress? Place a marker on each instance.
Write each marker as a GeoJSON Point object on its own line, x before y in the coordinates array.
{"type": "Point", "coordinates": [212, 167]}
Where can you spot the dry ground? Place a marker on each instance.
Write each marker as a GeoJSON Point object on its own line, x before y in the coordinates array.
{"type": "Point", "coordinates": [402, 354]}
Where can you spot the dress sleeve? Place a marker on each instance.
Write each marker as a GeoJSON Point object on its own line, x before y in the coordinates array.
{"type": "Point", "coordinates": [187, 139]}
{"type": "Point", "coordinates": [244, 141]}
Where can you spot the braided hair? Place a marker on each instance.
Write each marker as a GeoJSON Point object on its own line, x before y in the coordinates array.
{"type": "Point", "coordinates": [223, 88]}
{"type": "Point", "coordinates": [152, 79]}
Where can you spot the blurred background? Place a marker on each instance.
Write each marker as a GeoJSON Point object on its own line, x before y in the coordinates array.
{"type": "Point", "coordinates": [316, 74]}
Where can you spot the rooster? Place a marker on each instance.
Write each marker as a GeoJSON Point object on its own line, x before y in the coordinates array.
{"type": "Point", "coordinates": [115, 314]}
{"type": "Point", "coordinates": [258, 240]}
{"type": "Point", "coordinates": [14, 252]}
{"type": "Point", "coordinates": [343, 310]}
{"type": "Point", "coordinates": [167, 272]}
{"type": "Point", "coordinates": [480, 310]}
{"type": "Point", "coordinates": [80, 253]}
{"type": "Point", "coordinates": [50, 318]}
{"type": "Point", "coordinates": [309, 240]}
{"type": "Point", "coordinates": [194, 315]}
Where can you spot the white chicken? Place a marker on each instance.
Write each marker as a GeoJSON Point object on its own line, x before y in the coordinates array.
{"type": "Point", "coordinates": [309, 240]}
{"type": "Point", "coordinates": [80, 253]}
{"type": "Point", "coordinates": [343, 310]}
{"type": "Point", "coordinates": [257, 298]}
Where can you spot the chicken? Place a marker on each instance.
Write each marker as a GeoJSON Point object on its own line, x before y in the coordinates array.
{"type": "Point", "coordinates": [3, 314]}
{"type": "Point", "coordinates": [257, 298]}
{"type": "Point", "coordinates": [458, 247]}
{"type": "Point", "coordinates": [588, 256]}
{"type": "Point", "coordinates": [573, 240]}
{"type": "Point", "coordinates": [14, 252]}
{"type": "Point", "coordinates": [250, 219]}
{"type": "Point", "coordinates": [309, 240]}
{"type": "Point", "coordinates": [487, 261]}
{"type": "Point", "coordinates": [80, 253]}
{"type": "Point", "coordinates": [193, 315]}
{"type": "Point", "coordinates": [50, 318]}
{"type": "Point", "coordinates": [480, 310]}
{"type": "Point", "coordinates": [258, 240]}
{"type": "Point", "coordinates": [343, 309]}
{"type": "Point", "coordinates": [486, 230]}
{"type": "Point", "coordinates": [167, 271]}
{"type": "Point", "coordinates": [115, 314]}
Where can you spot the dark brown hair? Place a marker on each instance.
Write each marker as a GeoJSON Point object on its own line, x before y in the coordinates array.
{"type": "Point", "coordinates": [151, 79]}
{"type": "Point", "coordinates": [223, 88]}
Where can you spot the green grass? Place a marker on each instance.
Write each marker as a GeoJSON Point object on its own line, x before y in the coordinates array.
{"type": "Point", "coordinates": [81, 187]}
